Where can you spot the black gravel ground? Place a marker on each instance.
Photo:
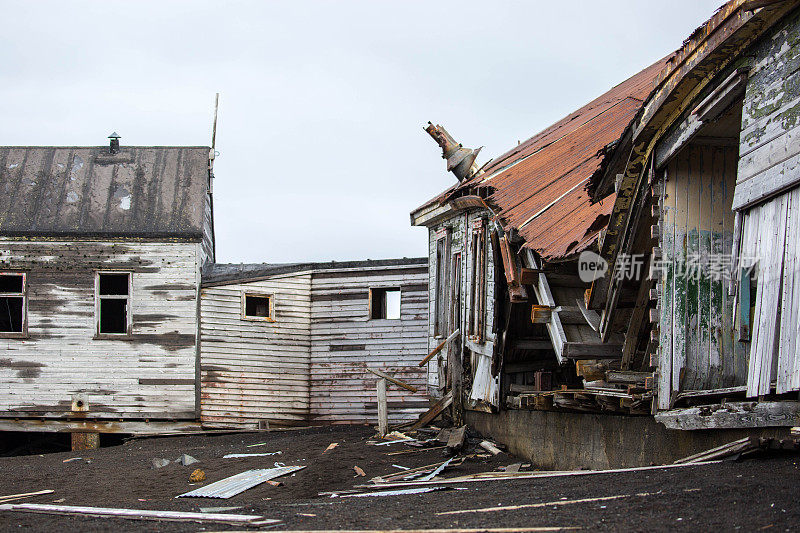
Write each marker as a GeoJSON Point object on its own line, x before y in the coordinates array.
{"type": "Point", "coordinates": [759, 493]}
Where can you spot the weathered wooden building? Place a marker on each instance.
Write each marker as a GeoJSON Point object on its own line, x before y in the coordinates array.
{"type": "Point", "coordinates": [710, 200]}
{"type": "Point", "coordinates": [100, 257]}
{"type": "Point", "coordinates": [289, 344]}
{"type": "Point", "coordinates": [638, 257]}
{"type": "Point", "coordinates": [114, 316]}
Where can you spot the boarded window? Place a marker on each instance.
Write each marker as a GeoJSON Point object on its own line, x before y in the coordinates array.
{"type": "Point", "coordinates": [257, 307]}
{"type": "Point", "coordinates": [455, 293]}
{"type": "Point", "coordinates": [442, 254]}
{"type": "Point", "coordinates": [113, 303]}
{"type": "Point", "coordinates": [477, 283]}
{"type": "Point", "coordinates": [384, 303]}
{"type": "Point", "coordinates": [12, 303]}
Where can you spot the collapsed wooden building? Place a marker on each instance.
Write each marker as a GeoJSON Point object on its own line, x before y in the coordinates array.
{"type": "Point", "coordinates": [684, 179]}
{"type": "Point", "coordinates": [114, 316]}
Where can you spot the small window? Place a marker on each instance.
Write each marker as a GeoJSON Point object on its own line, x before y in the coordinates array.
{"type": "Point", "coordinates": [442, 283]}
{"type": "Point", "coordinates": [477, 313]}
{"type": "Point", "coordinates": [113, 303]}
{"type": "Point", "coordinates": [384, 303]}
{"type": "Point", "coordinates": [12, 304]}
{"type": "Point", "coordinates": [257, 307]}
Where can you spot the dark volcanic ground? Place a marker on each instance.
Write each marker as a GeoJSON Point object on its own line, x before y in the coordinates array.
{"type": "Point", "coordinates": [754, 494]}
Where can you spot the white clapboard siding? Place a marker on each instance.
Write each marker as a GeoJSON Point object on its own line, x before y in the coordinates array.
{"type": "Point", "coordinates": [344, 342]}
{"type": "Point", "coordinates": [150, 374]}
{"type": "Point", "coordinates": [253, 370]}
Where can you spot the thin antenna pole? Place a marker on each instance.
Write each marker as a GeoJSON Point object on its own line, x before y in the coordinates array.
{"type": "Point", "coordinates": [214, 131]}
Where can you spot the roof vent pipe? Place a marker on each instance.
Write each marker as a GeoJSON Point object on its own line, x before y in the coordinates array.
{"type": "Point", "coordinates": [113, 146]}
{"type": "Point", "coordinates": [460, 160]}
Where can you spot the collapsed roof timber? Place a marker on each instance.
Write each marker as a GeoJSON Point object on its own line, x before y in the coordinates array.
{"type": "Point", "coordinates": [684, 178]}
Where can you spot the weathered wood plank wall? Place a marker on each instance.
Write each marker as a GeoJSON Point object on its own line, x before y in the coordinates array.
{"type": "Point", "coordinates": [698, 348]}
{"type": "Point", "coordinates": [150, 374]}
{"type": "Point", "coordinates": [770, 140]}
{"type": "Point", "coordinates": [345, 341]}
{"type": "Point", "coordinates": [253, 371]}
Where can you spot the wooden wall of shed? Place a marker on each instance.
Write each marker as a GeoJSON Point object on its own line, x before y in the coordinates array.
{"type": "Point", "coordinates": [345, 341]}
{"type": "Point", "coordinates": [150, 374]}
{"type": "Point", "coordinates": [770, 140]}
{"type": "Point", "coordinates": [254, 370]}
{"type": "Point", "coordinates": [460, 242]}
{"type": "Point", "coordinates": [697, 342]}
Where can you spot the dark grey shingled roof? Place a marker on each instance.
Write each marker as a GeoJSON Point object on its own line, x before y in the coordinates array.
{"type": "Point", "coordinates": [222, 273]}
{"type": "Point", "coordinates": [141, 191]}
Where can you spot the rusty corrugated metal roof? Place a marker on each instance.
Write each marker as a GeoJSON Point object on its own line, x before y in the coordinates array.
{"type": "Point", "coordinates": [538, 187]}
{"type": "Point", "coordinates": [140, 191]}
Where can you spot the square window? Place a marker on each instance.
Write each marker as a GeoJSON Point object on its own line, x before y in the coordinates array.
{"type": "Point", "coordinates": [384, 303]}
{"type": "Point", "coordinates": [12, 304]}
{"type": "Point", "coordinates": [113, 303]}
{"type": "Point", "coordinates": [257, 307]}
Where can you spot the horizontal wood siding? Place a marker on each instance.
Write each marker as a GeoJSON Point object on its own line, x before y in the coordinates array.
{"type": "Point", "coordinates": [770, 141]}
{"type": "Point", "coordinates": [150, 374]}
{"type": "Point", "coordinates": [344, 342]}
{"type": "Point", "coordinates": [254, 370]}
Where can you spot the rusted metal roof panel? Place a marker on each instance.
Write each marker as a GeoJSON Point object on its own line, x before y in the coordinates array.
{"type": "Point", "coordinates": [140, 191]}
{"type": "Point", "coordinates": [539, 186]}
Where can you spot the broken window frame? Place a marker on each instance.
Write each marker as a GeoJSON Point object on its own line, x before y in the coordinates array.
{"type": "Point", "coordinates": [441, 283]}
{"type": "Point", "coordinates": [23, 333]}
{"type": "Point", "coordinates": [379, 310]}
{"type": "Point", "coordinates": [98, 305]}
{"type": "Point", "coordinates": [476, 321]}
{"type": "Point", "coordinates": [257, 294]}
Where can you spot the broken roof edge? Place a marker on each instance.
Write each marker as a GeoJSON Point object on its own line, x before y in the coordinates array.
{"type": "Point", "coordinates": [679, 61]}
{"type": "Point", "coordinates": [214, 274]}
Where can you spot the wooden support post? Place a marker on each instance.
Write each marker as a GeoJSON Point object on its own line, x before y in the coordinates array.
{"type": "Point", "coordinates": [383, 414]}
{"type": "Point", "coordinates": [85, 441]}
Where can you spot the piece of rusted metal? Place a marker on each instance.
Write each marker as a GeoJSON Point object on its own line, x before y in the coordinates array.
{"type": "Point", "coordinates": [460, 160]}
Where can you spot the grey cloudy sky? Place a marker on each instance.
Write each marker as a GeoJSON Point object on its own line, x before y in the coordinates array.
{"type": "Point", "coordinates": [321, 150]}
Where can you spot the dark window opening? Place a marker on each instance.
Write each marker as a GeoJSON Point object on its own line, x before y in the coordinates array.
{"type": "Point", "coordinates": [113, 290]}
{"type": "Point", "coordinates": [11, 283]}
{"type": "Point", "coordinates": [257, 306]}
{"type": "Point", "coordinates": [113, 284]}
{"type": "Point", "coordinates": [113, 316]}
{"type": "Point", "coordinates": [12, 303]}
{"type": "Point", "coordinates": [384, 303]}
{"type": "Point", "coordinates": [477, 284]}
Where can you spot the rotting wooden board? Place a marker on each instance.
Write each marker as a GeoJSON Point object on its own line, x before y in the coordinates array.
{"type": "Point", "coordinates": [543, 504]}
{"type": "Point", "coordinates": [433, 412]}
{"type": "Point", "coordinates": [140, 514]}
{"type": "Point", "coordinates": [501, 477]}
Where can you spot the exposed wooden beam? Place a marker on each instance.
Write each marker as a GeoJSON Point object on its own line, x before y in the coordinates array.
{"type": "Point", "coordinates": [592, 350]}
{"type": "Point", "coordinates": [733, 415]}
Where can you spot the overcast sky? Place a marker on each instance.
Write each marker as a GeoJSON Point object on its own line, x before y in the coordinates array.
{"type": "Point", "coordinates": [321, 150]}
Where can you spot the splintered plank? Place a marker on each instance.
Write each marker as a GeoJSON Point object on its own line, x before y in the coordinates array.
{"type": "Point", "coordinates": [140, 514]}
{"type": "Point", "coordinates": [433, 412]}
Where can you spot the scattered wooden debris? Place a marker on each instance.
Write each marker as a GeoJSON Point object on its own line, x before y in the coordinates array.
{"type": "Point", "coordinates": [197, 476]}
{"type": "Point", "coordinates": [331, 446]}
{"type": "Point", "coordinates": [489, 447]}
{"type": "Point", "coordinates": [736, 447]}
{"type": "Point", "coordinates": [415, 450]}
{"type": "Point", "coordinates": [795, 432]}
{"type": "Point", "coordinates": [428, 417]}
{"type": "Point", "coordinates": [544, 504]}
{"type": "Point", "coordinates": [501, 476]}
{"type": "Point", "coordinates": [359, 471]}
{"type": "Point", "coordinates": [513, 468]}
{"type": "Point", "coordinates": [418, 490]}
{"type": "Point", "coordinates": [10, 497]}
{"type": "Point", "coordinates": [140, 514]}
{"type": "Point", "coordinates": [241, 455]}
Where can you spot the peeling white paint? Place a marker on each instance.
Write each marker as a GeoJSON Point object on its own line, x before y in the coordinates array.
{"type": "Point", "coordinates": [125, 202]}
